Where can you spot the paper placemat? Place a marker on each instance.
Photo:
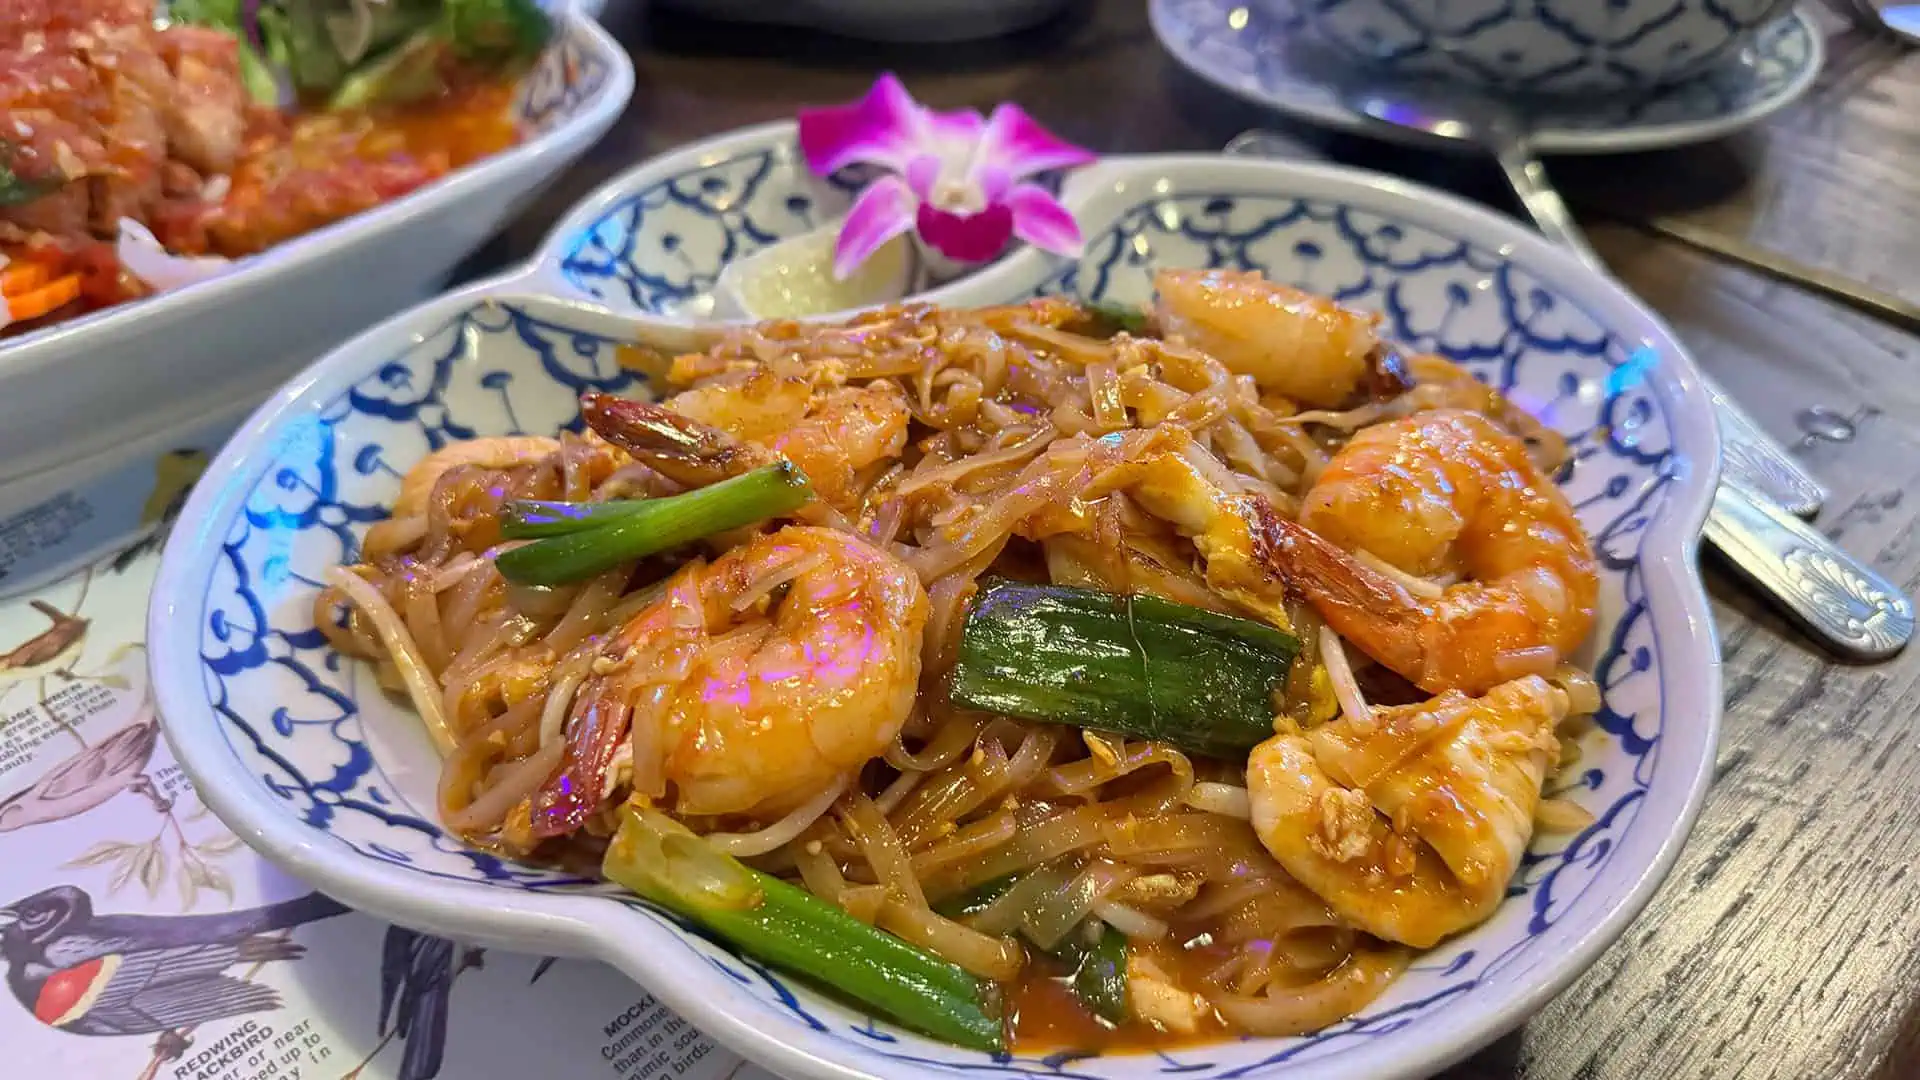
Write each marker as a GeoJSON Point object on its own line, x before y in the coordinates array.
{"type": "Point", "coordinates": [143, 941]}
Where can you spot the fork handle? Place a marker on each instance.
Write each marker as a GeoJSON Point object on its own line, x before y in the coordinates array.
{"type": "Point", "coordinates": [1748, 454]}
{"type": "Point", "coordinates": [1843, 602]}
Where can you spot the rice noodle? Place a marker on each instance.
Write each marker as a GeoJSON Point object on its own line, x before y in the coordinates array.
{"type": "Point", "coordinates": [456, 569]}
{"type": "Point", "coordinates": [588, 611]}
{"type": "Point", "coordinates": [1353, 705]}
{"type": "Point", "coordinates": [1039, 841]}
{"type": "Point", "coordinates": [969, 842]}
{"type": "Point", "coordinates": [1561, 816]}
{"type": "Point", "coordinates": [989, 957]}
{"type": "Point", "coordinates": [1297, 1010]}
{"type": "Point", "coordinates": [1135, 924]}
{"type": "Point", "coordinates": [420, 610]}
{"type": "Point", "coordinates": [952, 739]}
{"type": "Point", "coordinates": [1419, 587]}
{"type": "Point", "coordinates": [519, 780]}
{"type": "Point", "coordinates": [566, 680]}
{"type": "Point", "coordinates": [1224, 799]}
{"type": "Point", "coordinates": [1583, 694]}
{"type": "Point", "coordinates": [952, 473]}
{"type": "Point", "coordinates": [902, 786]}
{"type": "Point", "coordinates": [882, 849]}
{"type": "Point", "coordinates": [775, 576]}
{"type": "Point", "coordinates": [1050, 917]}
{"type": "Point", "coordinates": [399, 644]}
{"type": "Point", "coordinates": [780, 832]}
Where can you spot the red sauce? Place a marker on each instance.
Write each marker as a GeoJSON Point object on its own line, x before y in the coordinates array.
{"type": "Point", "coordinates": [312, 170]}
{"type": "Point", "coordinates": [1045, 1016]}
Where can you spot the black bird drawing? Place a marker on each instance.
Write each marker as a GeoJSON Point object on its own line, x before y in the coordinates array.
{"type": "Point", "coordinates": [416, 983]}
{"type": "Point", "coordinates": [142, 974]}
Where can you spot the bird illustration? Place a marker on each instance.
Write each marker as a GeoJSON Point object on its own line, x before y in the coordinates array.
{"type": "Point", "coordinates": [115, 764]}
{"type": "Point", "coordinates": [174, 475]}
{"type": "Point", "coordinates": [142, 974]}
{"type": "Point", "coordinates": [50, 650]}
{"type": "Point", "coordinates": [416, 982]}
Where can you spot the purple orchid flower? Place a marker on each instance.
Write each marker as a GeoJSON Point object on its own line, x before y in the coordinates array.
{"type": "Point", "coordinates": [955, 177]}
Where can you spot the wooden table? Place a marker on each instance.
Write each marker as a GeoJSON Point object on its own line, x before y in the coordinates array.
{"type": "Point", "coordinates": [1786, 943]}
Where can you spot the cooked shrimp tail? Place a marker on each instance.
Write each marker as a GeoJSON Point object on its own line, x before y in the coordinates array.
{"type": "Point", "coordinates": [595, 732]}
{"type": "Point", "coordinates": [725, 428]}
{"type": "Point", "coordinates": [683, 449]}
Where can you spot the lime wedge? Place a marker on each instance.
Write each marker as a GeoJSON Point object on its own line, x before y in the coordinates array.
{"type": "Point", "coordinates": [794, 279]}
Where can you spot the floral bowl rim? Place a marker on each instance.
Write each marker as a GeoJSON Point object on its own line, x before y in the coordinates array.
{"type": "Point", "coordinates": [595, 924]}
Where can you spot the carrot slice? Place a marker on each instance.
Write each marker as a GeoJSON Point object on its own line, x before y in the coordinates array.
{"type": "Point", "coordinates": [42, 301]}
{"type": "Point", "coordinates": [23, 277]}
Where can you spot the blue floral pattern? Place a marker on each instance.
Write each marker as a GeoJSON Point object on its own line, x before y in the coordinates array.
{"type": "Point", "coordinates": [1257, 52]}
{"type": "Point", "coordinates": [568, 73]}
{"type": "Point", "coordinates": [1533, 46]}
{"type": "Point", "coordinates": [659, 249]}
{"type": "Point", "coordinates": [345, 758]}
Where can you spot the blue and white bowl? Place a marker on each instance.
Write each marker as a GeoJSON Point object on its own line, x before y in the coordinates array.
{"type": "Point", "coordinates": [652, 241]}
{"type": "Point", "coordinates": [304, 757]}
{"type": "Point", "coordinates": [1542, 47]}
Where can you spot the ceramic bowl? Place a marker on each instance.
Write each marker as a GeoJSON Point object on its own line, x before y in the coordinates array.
{"type": "Point", "coordinates": [143, 369]}
{"type": "Point", "coordinates": [304, 757]}
{"type": "Point", "coordinates": [915, 22]}
{"type": "Point", "coordinates": [1535, 46]}
{"type": "Point", "coordinates": [652, 240]}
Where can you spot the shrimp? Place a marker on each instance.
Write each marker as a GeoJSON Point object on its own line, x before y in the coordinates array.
{"type": "Point", "coordinates": [1439, 383]}
{"type": "Point", "coordinates": [1439, 493]}
{"type": "Point", "coordinates": [1232, 530]}
{"type": "Point", "coordinates": [723, 428]}
{"type": "Point", "coordinates": [1293, 343]}
{"type": "Point", "coordinates": [1409, 824]}
{"type": "Point", "coordinates": [754, 683]}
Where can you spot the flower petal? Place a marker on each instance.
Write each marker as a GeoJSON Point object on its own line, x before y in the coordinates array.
{"type": "Point", "coordinates": [960, 128]}
{"type": "Point", "coordinates": [921, 173]}
{"type": "Point", "coordinates": [1040, 220]}
{"type": "Point", "coordinates": [967, 238]}
{"type": "Point", "coordinates": [882, 211]}
{"type": "Point", "coordinates": [885, 128]}
{"type": "Point", "coordinates": [1015, 142]}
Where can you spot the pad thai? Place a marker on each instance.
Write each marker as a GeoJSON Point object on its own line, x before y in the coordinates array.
{"type": "Point", "coordinates": [129, 148]}
{"type": "Point", "coordinates": [1038, 676]}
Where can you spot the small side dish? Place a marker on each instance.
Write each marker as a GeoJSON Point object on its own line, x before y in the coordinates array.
{"type": "Point", "coordinates": [936, 195]}
{"type": "Point", "coordinates": [1039, 676]}
{"type": "Point", "coordinates": [137, 156]}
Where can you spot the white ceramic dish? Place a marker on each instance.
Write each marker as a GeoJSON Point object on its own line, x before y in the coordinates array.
{"type": "Point", "coordinates": [651, 241]}
{"type": "Point", "coordinates": [916, 21]}
{"type": "Point", "coordinates": [1537, 47]}
{"type": "Point", "coordinates": [308, 761]}
{"type": "Point", "coordinates": [56, 520]}
{"type": "Point", "coordinates": [125, 369]}
{"type": "Point", "coordinates": [1247, 52]}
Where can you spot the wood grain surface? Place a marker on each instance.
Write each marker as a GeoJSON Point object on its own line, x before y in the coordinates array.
{"type": "Point", "coordinates": [1786, 943]}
